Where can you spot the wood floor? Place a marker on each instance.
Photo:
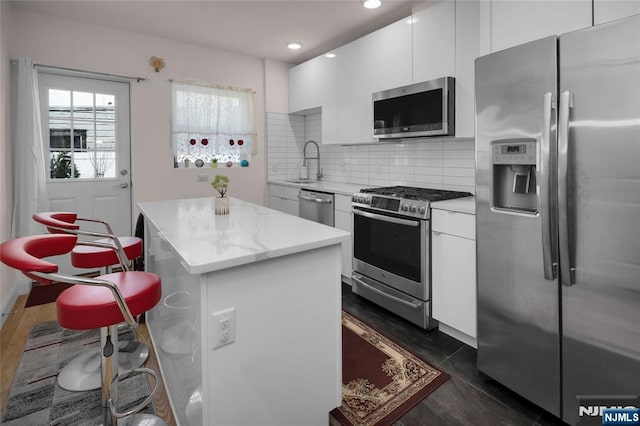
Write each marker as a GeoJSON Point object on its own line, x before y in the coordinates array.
{"type": "Point", "coordinates": [14, 335]}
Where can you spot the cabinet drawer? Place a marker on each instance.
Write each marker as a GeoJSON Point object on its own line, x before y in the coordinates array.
{"type": "Point", "coordinates": [283, 191]}
{"type": "Point", "coordinates": [454, 223]}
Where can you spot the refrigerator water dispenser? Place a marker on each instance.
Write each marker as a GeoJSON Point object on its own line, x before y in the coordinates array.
{"type": "Point", "coordinates": [514, 175]}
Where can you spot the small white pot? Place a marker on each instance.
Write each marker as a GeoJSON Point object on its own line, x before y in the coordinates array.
{"type": "Point", "coordinates": [221, 205]}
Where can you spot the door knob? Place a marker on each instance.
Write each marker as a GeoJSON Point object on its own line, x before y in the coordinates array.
{"type": "Point", "coordinates": [124, 185]}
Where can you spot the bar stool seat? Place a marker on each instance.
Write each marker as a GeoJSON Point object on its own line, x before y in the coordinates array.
{"type": "Point", "coordinates": [97, 257]}
{"type": "Point", "coordinates": [88, 257]}
{"type": "Point", "coordinates": [89, 307]}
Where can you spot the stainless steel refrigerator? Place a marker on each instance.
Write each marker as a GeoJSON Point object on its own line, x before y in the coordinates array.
{"type": "Point", "coordinates": [558, 217]}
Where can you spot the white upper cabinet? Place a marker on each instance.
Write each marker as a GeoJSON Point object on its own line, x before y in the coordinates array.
{"type": "Point", "coordinates": [514, 22]}
{"type": "Point", "coordinates": [304, 85]}
{"type": "Point", "coordinates": [472, 40]}
{"type": "Point", "coordinates": [434, 32]}
{"type": "Point", "coordinates": [609, 10]}
{"type": "Point", "coordinates": [314, 84]}
{"type": "Point", "coordinates": [396, 54]}
{"type": "Point", "coordinates": [358, 65]}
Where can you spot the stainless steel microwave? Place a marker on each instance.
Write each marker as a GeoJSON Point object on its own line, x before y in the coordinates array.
{"type": "Point", "coordinates": [420, 109]}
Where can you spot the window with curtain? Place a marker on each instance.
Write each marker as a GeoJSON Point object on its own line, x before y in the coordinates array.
{"type": "Point", "coordinates": [211, 125]}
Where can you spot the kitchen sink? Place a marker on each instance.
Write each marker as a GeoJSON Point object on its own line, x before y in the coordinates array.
{"type": "Point", "coordinates": [300, 180]}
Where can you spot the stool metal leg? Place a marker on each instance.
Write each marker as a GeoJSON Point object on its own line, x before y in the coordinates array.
{"type": "Point", "coordinates": [109, 363]}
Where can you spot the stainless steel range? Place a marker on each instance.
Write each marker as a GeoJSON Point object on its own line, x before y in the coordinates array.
{"type": "Point", "coordinates": [391, 248]}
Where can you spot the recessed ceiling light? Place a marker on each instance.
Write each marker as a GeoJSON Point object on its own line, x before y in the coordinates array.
{"type": "Point", "coordinates": [371, 4]}
{"type": "Point", "coordinates": [330, 55]}
{"type": "Point", "coordinates": [294, 45]}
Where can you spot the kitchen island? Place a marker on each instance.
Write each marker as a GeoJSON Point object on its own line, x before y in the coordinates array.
{"type": "Point", "coordinates": [265, 283]}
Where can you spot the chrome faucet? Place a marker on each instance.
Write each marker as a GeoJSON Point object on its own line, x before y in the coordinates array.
{"type": "Point", "coordinates": [304, 160]}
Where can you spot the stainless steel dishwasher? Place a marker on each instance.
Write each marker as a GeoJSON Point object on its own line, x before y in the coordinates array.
{"type": "Point", "coordinates": [316, 206]}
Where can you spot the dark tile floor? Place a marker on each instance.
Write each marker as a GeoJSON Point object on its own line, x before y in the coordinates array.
{"type": "Point", "coordinates": [468, 397]}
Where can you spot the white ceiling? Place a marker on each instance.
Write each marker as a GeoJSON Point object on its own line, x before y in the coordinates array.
{"type": "Point", "coordinates": [259, 28]}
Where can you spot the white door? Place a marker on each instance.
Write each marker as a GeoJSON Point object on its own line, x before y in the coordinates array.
{"type": "Point", "coordinates": [85, 124]}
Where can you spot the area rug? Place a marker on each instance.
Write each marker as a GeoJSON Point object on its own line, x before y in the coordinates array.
{"type": "Point", "coordinates": [36, 399]}
{"type": "Point", "coordinates": [381, 380]}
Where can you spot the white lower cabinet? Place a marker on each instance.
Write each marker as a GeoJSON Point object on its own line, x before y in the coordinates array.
{"type": "Point", "coordinates": [453, 272]}
{"type": "Point", "coordinates": [344, 221]}
{"type": "Point", "coordinates": [284, 198]}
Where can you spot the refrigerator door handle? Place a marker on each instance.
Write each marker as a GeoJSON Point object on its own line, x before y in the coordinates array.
{"type": "Point", "coordinates": [567, 270]}
{"type": "Point", "coordinates": [549, 252]}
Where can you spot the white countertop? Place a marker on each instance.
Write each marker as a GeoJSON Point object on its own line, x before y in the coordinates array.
{"type": "Point", "coordinates": [208, 242]}
{"type": "Point", "coordinates": [462, 205]}
{"type": "Point", "coordinates": [326, 186]}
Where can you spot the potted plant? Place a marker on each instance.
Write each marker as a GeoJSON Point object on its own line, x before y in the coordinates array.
{"type": "Point", "coordinates": [214, 162]}
{"type": "Point", "coordinates": [221, 185]}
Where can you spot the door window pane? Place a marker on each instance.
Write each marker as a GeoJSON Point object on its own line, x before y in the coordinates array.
{"type": "Point", "coordinates": [82, 135]}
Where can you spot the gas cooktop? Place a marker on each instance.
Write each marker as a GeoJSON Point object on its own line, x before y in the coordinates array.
{"type": "Point", "coordinates": [403, 200]}
{"type": "Point", "coordinates": [412, 193]}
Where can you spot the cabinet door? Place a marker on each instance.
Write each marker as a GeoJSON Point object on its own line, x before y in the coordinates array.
{"type": "Point", "coordinates": [343, 221]}
{"type": "Point", "coordinates": [308, 84]}
{"type": "Point", "coordinates": [434, 41]}
{"type": "Point", "coordinates": [301, 91]}
{"type": "Point", "coordinates": [283, 205]}
{"type": "Point", "coordinates": [609, 10]}
{"type": "Point", "coordinates": [454, 281]}
{"type": "Point", "coordinates": [395, 54]}
{"type": "Point", "coordinates": [329, 100]}
{"type": "Point", "coordinates": [358, 64]}
{"type": "Point", "coordinates": [521, 21]}
{"type": "Point", "coordinates": [472, 40]}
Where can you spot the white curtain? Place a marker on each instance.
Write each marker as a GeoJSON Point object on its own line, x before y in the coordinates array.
{"type": "Point", "coordinates": [29, 166]}
{"type": "Point", "coordinates": [223, 117]}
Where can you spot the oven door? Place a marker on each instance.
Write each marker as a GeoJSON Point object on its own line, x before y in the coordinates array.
{"type": "Point", "coordinates": [393, 250]}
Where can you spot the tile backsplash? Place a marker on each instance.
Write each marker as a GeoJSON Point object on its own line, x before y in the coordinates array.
{"type": "Point", "coordinates": [441, 163]}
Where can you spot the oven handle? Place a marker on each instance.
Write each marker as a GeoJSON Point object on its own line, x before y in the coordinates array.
{"type": "Point", "coordinates": [389, 219]}
{"type": "Point", "coordinates": [388, 296]}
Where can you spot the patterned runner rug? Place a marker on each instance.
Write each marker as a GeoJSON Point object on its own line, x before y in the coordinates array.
{"type": "Point", "coordinates": [381, 380]}
{"type": "Point", "coordinates": [36, 399]}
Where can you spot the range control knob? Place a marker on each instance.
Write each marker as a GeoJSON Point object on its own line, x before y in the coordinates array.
{"type": "Point", "coordinates": [404, 208]}
{"type": "Point", "coordinates": [414, 209]}
{"type": "Point", "coordinates": [421, 209]}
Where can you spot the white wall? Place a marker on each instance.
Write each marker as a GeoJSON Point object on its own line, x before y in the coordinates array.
{"type": "Point", "coordinates": [7, 275]}
{"type": "Point", "coordinates": [74, 44]}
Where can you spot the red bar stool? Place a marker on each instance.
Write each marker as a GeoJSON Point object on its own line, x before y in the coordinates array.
{"type": "Point", "coordinates": [106, 252]}
{"type": "Point", "coordinates": [101, 302]}
{"type": "Point", "coordinates": [83, 372]}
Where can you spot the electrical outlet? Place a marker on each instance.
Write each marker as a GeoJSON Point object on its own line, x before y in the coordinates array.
{"type": "Point", "coordinates": [202, 178]}
{"type": "Point", "coordinates": [223, 327]}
